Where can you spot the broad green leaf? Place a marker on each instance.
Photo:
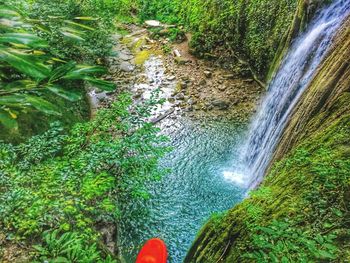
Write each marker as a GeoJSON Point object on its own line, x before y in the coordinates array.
{"type": "Point", "coordinates": [61, 71]}
{"type": "Point", "coordinates": [101, 84]}
{"type": "Point", "coordinates": [82, 71]}
{"type": "Point", "coordinates": [85, 18]}
{"type": "Point", "coordinates": [72, 37]}
{"type": "Point", "coordinates": [7, 120]}
{"type": "Point", "coordinates": [42, 105]}
{"type": "Point", "coordinates": [8, 12]}
{"type": "Point", "coordinates": [18, 100]}
{"type": "Point", "coordinates": [78, 25]}
{"type": "Point", "coordinates": [25, 63]}
{"type": "Point", "coordinates": [66, 94]}
{"type": "Point", "coordinates": [326, 255]}
{"type": "Point", "coordinates": [21, 84]}
{"type": "Point", "coordinates": [23, 38]}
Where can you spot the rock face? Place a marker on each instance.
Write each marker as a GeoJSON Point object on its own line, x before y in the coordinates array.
{"type": "Point", "coordinates": [308, 180]}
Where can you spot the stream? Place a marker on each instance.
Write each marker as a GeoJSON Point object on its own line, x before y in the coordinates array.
{"type": "Point", "coordinates": [214, 163]}
{"type": "Point", "coordinates": [193, 190]}
{"type": "Point", "coordinates": [195, 187]}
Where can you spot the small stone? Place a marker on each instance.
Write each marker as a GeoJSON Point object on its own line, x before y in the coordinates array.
{"type": "Point", "coordinates": [221, 104]}
{"type": "Point", "coordinates": [191, 102]}
{"type": "Point", "coordinates": [208, 74]}
{"type": "Point", "coordinates": [126, 66]}
{"type": "Point", "coordinates": [249, 81]}
{"type": "Point", "coordinates": [171, 78]}
{"type": "Point", "coordinates": [153, 23]}
{"type": "Point", "coordinates": [181, 60]}
{"type": "Point", "coordinates": [124, 56]}
{"type": "Point", "coordinates": [222, 88]}
{"type": "Point", "coordinates": [180, 96]}
{"type": "Point", "coordinates": [229, 76]}
{"type": "Point", "coordinates": [189, 108]}
{"type": "Point", "coordinates": [235, 101]}
{"type": "Point", "coordinates": [183, 85]}
{"type": "Point", "coordinates": [203, 82]}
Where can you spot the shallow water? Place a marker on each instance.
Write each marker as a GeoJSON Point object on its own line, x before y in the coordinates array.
{"type": "Point", "coordinates": [186, 197]}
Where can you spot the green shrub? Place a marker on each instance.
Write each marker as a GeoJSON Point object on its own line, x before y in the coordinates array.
{"type": "Point", "coordinates": [73, 182]}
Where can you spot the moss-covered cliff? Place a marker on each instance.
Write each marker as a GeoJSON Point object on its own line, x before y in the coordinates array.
{"type": "Point", "coordinates": [300, 213]}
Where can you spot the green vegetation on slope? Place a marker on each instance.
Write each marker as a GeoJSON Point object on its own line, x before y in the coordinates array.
{"type": "Point", "coordinates": [70, 186]}
{"type": "Point", "coordinates": [300, 213]}
{"type": "Point", "coordinates": [252, 30]}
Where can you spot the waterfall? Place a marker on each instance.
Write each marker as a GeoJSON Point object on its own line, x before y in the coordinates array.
{"type": "Point", "coordinates": [290, 81]}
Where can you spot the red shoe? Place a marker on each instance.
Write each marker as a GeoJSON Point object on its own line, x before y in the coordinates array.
{"type": "Point", "coordinates": [154, 251]}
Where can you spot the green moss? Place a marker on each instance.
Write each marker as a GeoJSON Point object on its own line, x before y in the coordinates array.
{"type": "Point", "coordinates": [302, 202]}
{"type": "Point", "coordinates": [300, 212]}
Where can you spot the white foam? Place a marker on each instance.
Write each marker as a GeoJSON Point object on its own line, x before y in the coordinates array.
{"type": "Point", "coordinates": [237, 178]}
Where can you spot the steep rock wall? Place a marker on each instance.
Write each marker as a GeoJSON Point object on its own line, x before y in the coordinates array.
{"type": "Point", "coordinates": [301, 210]}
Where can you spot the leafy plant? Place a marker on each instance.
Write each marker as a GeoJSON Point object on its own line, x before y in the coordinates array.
{"type": "Point", "coordinates": [67, 247]}
{"type": "Point", "coordinates": [29, 72]}
{"type": "Point", "coordinates": [74, 182]}
{"type": "Point", "coordinates": [281, 242]}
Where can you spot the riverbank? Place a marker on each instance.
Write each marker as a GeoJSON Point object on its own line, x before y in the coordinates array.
{"type": "Point", "coordinates": [190, 86]}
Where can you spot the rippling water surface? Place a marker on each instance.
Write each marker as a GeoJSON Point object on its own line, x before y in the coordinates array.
{"type": "Point", "coordinates": [195, 188]}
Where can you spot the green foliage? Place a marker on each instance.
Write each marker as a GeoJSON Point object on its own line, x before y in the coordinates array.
{"type": "Point", "coordinates": [68, 26]}
{"type": "Point", "coordinates": [165, 10]}
{"type": "Point", "coordinates": [281, 242]}
{"type": "Point", "coordinates": [68, 247]}
{"type": "Point", "coordinates": [300, 212]}
{"type": "Point", "coordinates": [74, 182]}
{"type": "Point", "coordinates": [29, 71]}
{"type": "Point", "coordinates": [251, 29]}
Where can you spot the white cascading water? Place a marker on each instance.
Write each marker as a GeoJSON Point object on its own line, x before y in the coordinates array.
{"type": "Point", "coordinates": [289, 83]}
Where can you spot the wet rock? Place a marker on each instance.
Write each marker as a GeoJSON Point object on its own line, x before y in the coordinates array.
{"type": "Point", "coordinates": [126, 66]}
{"type": "Point", "coordinates": [180, 96]}
{"type": "Point", "coordinates": [221, 104]}
{"type": "Point", "coordinates": [203, 82]}
{"type": "Point", "coordinates": [125, 56]}
{"type": "Point", "coordinates": [229, 76]}
{"type": "Point", "coordinates": [222, 88]}
{"type": "Point", "coordinates": [191, 102]}
{"type": "Point", "coordinates": [183, 85]}
{"type": "Point", "coordinates": [208, 74]}
{"type": "Point", "coordinates": [182, 60]}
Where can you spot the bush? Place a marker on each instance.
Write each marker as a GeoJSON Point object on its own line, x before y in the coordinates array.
{"type": "Point", "coordinates": [71, 183]}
